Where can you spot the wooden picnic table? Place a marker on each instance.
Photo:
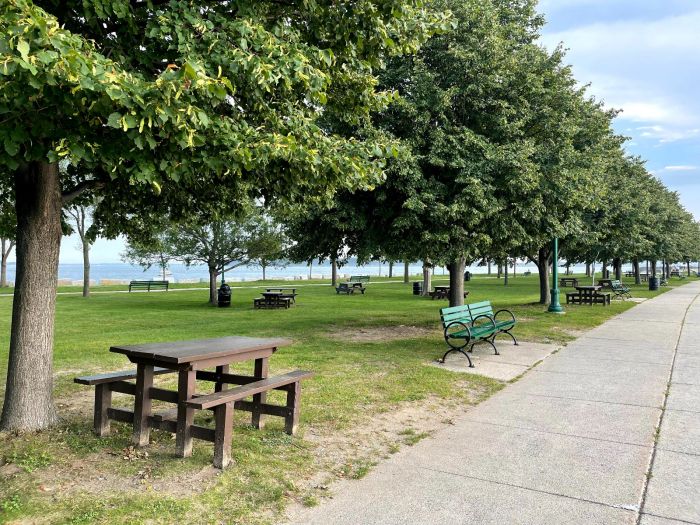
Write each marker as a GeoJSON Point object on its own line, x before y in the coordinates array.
{"type": "Point", "coordinates": [568, 281]}
{"type": "Point", "coordinates": [588, 295]}
{"type": "Point", "coordinates": [190, 360]}
{"type": "Point", "coordinates": [605, 283]}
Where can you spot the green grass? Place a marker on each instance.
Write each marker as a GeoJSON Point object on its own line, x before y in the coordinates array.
{"type": "Point", "coordinates": [353, 382]}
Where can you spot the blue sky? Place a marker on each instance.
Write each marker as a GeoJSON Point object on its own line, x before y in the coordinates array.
{"type": "Point", "coordinates": [641, 56]}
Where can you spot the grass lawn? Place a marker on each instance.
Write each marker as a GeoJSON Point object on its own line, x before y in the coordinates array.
{"type": "Point", "coordinates": [69, 476]}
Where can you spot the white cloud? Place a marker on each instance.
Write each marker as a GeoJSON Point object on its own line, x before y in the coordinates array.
{"type": "Point", "coordinates": [680, 168]}
{"type": "Point", "coordinates": [646, 68]}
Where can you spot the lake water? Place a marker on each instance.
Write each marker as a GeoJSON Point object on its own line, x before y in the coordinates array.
{"type": "Point", "coordinates": [181, 273]}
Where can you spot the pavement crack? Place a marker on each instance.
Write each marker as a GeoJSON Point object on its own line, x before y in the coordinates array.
{"type": "Point", "coordinates": [657, 429]}
{"type": "Point", "coordinates": [531, 489]}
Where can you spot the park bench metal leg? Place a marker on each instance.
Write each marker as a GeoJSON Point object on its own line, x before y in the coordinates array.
{"type": "Point", "coordinates": [461, 351]}
{"type": "Point", "coordinates": [142, 404]}
{"type": "Point", "coordinates": [185, 415]}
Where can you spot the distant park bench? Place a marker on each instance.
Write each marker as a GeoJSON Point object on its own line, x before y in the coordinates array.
{"type": "Point", "coordinates": [149, 285]}
{"type": "Point", "coordinates": [472, 323]}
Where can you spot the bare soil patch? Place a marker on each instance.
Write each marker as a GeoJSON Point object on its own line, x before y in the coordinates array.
{"type": "Point", "coordinates": [370, 334]}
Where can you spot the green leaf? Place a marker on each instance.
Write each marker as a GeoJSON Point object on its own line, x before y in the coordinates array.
{"type": "Point", "coordinates": [23, 48]}
{"type": "Point", "coordinates": [114, 120]}
{"type": "Point", "coordinates": [12, 148]}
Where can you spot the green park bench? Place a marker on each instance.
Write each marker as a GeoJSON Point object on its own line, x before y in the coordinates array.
{"type": "Point", "coordinates": [148, 285]}
{"type": "Point", "coordinates": [472, 323]}
{"type": "Point", "coordinates": [620, 290]}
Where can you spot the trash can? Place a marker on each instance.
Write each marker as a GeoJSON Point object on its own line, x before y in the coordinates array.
{"type": "Point", "coordinates": [467, 276]}
{"type": "Point", "coordinates": [224, 295]}
{"type": "Point", "coordinates": [653, 283]}
{"type": "Point", "coordinates": [417, 288]}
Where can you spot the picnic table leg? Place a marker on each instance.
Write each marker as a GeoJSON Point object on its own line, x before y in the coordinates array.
{"type": "Point", "coordinates": [221, 369]}
{"type": "Point", "coordinates": [142, 404]}
{"type": "Point", "coordinates": [185, 415]}
{"type": "Point", "coordinates": [103, 401]}
{"type": "Point", "coordinates": [291, 420]}
{"type": "Point", "coordinates": [261, 371]}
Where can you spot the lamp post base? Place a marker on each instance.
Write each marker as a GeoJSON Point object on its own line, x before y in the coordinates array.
{"type": "Point", "coordinates": [554, 305]}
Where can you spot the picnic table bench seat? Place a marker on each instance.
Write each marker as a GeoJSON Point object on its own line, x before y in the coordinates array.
{"type": "Point", "coordinates": [224, 402]}
{"type": "Point", "coordinates": [350, 288]}
{"type": "Point", "coordinates": [272, 302]}
{"type": "Point", "coordinates": [149, 285]}
{"type": "Point", "coordinates": [472, 323]}
{"type": "Point", "coordinates": [442, 293]}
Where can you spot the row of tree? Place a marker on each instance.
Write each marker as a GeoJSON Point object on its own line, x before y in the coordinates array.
{"type": "Point", "coordinates": [500, 151]}
{"type": "Point", "coordinates": [390, 129]}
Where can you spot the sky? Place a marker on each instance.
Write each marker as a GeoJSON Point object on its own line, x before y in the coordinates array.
{"type": "Point", "coordinates": [639, 56]}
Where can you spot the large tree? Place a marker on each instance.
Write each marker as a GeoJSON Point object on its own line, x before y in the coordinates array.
{"type": "Point", "coordinates": [168, 106]}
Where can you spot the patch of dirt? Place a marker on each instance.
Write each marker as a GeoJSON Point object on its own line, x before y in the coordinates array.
{"type": "Point", "coordinates": [371, 334]}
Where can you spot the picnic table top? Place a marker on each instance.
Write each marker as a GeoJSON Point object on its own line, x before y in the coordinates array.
{"type": "Point", "coordinates": [179, 352]}
{"type": "Point", "coordinates": [588, 287]}
{"type": "Point", "coordinates": [281, 289]}
{"type": "Point", "coordinates": [442, 287]}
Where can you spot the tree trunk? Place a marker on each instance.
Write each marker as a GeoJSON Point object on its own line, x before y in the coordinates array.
{"type": "Point", "coordinates": [334, 273]}
{"type": "Point", "coordinates": [86, 268]}
{"type": "Point", "coordinates": [5, 251]}
{"type": "Point", "coordinates": [391, 269]}
{"type": "Point", "coordinates": [213, 297]}
{"type": "Point", "coordinates": [588, 269]}
{"type": "Point", "coordinates": [543, 270]}
{"type": "Point", "coordinates": [617, 265]}
{"type": "Point", "coordinates": [667, 265]}
{"type": "Point", "coordinates": [688, 266]}
{"type": "Point", "coordinates": [28, 395]}
{"type": "Point", "coordinates": [505, 274]}
{"type": "Point", "coordinates": [264, 269]}
{"type": "Point", "coordinates": [653, 268]}
{"type": "Point", "coordinates": [456, 269]}
{"type": "Point", "coordinates": [488, 267]}
{"type": "Point", "coordinates": [405, 272]}
{"type": "Point", "coordinates": [499, 270]}
{"type": "Point", "coordinates": [427, 284]}
{"type": "Point", "coordinates": [637, 277]}
{"type": "Point", "coordinates": [515, 266]}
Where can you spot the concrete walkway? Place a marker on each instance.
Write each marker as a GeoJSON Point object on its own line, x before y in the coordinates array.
{"type": "Point", "coordinates": [573, 442]}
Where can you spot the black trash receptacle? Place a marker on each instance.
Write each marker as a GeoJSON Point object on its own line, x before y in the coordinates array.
{"type": "Point", "coordinates": [224, 295]}
{"type": "Point", "coordinates": [417, 288]}
{"type": "Point", "coordinates": [653, 283]}
{"type": "Point", "coordinates": [467, 276]}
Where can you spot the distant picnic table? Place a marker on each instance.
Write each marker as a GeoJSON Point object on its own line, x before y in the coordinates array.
{"type": "Point", "coordinates": [568, 281]}
{"type": "Point", "coordinates": [190, 361]}
{"type": "Point", "coordinates": [588, 295]}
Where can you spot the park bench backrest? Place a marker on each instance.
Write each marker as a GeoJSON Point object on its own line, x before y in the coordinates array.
{"type": "Point", "coordinates": [481, 308]}
{"type": "Point", "coordinates": [359, 278]}
{"type": "Point", "coordinates": [455, 313]}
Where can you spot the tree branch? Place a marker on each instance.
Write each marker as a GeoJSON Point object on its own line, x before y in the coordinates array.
{"type": "Point", "coordinates": [68, 196]}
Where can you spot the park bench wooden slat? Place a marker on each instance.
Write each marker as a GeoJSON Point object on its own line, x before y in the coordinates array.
{"type": "Point", "coordinates": [473, 323]}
